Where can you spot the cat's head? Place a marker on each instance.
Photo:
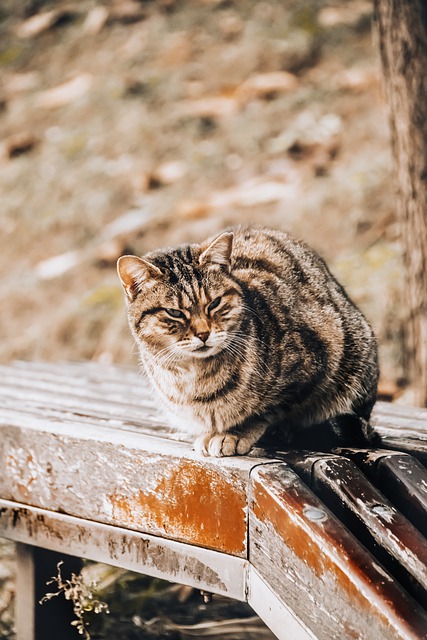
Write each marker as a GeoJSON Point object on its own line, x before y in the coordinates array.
{"type": "Point", "coordinates": [182, 303]}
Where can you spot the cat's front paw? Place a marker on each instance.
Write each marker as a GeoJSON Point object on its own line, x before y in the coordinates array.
{"type": "Point", "coordinates": [217, 446]}
{"type": "Point", "coordinates": [221, 445]}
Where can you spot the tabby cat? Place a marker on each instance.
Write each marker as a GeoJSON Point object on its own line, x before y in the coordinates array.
{"type": "Point", "coordinates": [249, 332]}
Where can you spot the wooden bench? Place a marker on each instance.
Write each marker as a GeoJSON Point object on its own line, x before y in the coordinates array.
{"type": "Point", "coordinates": [320, 545]}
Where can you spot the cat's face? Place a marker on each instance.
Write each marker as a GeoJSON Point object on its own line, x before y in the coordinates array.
{"type": "Point", "coordinates": [183, 304]}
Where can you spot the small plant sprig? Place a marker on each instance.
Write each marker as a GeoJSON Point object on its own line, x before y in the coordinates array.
{"type": "Point", "coordinates": [81, 595]}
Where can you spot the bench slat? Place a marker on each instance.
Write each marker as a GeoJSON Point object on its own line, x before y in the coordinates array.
{"type": "Point", "coordinates": [383, 529]}
{"type": "Point", "coordinates": [167, 559]}
{"type": "Point", "coordinates": [367, 513]}
{"type": "Point", "coordinates": [402, 428]}
{"type": "Point", "coordinates": [143, 483]}
{"type": "Point", "coordinates": [319, 569]}
{"type": "Point", "coordinates": [128, 387]}
{"type": "Point", "coordinates": [142, 418]}
{"type": "Point", "coordinates": [401, 477]}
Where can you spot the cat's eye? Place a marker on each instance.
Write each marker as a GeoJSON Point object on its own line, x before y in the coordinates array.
{"type": "Point", "coordinates": [175, 313]}
{"type": "Point", "coordinates": [213, 305]}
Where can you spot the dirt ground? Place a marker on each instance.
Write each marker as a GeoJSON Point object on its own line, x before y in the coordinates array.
{"type": "Point", "coordinates": [130, 125]}
{"type": "Point", "coordinates": [126, 125]}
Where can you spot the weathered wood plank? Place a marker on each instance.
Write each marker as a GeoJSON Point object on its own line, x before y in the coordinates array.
{"type": "Point", "coordinates": [69, 431]}
{"type": "Point", "coordinates": [142, 419]}
{"type": "Point", "coordinates": [390, 409]}
{"type": "Point", "coordinates": [400, 477]}
{"type": "Point", "coordinates": [391, 538]}
{"type": "Point", "coordinates": [129, 386]}
{"type": "Point", "coordinates": [75, 369]}
{"type": "Point", "coordinates": [135, 481]}
{"type": "Point", "coordinates": [122, 405]}
{"type": "Point", "coordinates": [383, 529]}
{"type": "Point", "coordinates": [113, 396]}
{"type": "Point", "coordinates": [404, 480]}
{"type": "Point", "coordinates": [117, 396]}
{"type": "Point", "coordinates": [311, 561]}
{"type": "Point", "coordinates": [167, 559]}
{"type": "Point", "coordinates": [126, 385]}
{"type": "Point", "coordinates": [281, 619]}
{"type": "Point", "coordinates": [402, 428]}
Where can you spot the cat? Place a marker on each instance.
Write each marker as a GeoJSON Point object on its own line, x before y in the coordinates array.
{"type": "Point", "coordinates": [248, 333]}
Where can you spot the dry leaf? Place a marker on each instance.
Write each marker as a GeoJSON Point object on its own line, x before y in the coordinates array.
{"type": "Point", "coordinates": [256, 191]}
{"type": "Point", "coordinates": [308, 134]}
{"type": "Point", "coordinates": [65, 93]}
{"type": "Point", "coordinates": [192, 209]}
{"type": "Point", "coordinates": [266, 85]}
{"type": "Point", "coordinates": [216, 107]}
{"type": "Point", "coordinates": [356, 79]}
{"type": "Point", "coordinates": [17, 144]}
{"type": "Point", "coordinates": [95, 20]}
{"type": "Point", "coordinates": [127, 11]}
{"type": "Point", "coordinates": [41, 22]}
{"type": "Point", "coordinates": [169, 172]}
{"type": "Point", "coordinates": [176, 50]}
{"type": "Point", "coordinates": [129, 222]}
{"type": "Point", "coordinates": [348, 14]}
{"type": "Point", "coordinates": [231, 25]}
{"type": "Point", "coordinates": [16, 83]}
{"type": "Point", "coordinates": [58, 265]}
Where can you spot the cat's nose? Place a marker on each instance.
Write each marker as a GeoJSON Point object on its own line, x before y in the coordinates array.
{"type": "Point", "coordinates": [203, 335]}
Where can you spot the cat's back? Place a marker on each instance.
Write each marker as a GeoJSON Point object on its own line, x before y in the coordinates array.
{"type": "Point", "coordinates": [292, 283]}
{"type": "Point", "coordinates": [319, 339]}
{"type": "Point", "coordinates": [263, 255]}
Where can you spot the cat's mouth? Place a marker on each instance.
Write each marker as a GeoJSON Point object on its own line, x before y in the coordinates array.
{"type": "Point", "coordinates": [204, 351]}
{"type": "Point", "coordinates": [199, 349]}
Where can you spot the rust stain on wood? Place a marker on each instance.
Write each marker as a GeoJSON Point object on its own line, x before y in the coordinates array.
{"type": "Point", "coordinates": [326, 550]}
{"type": "Point", "coordinates": [190, 503]}
{"type": "Point", "coordinates": [23, 470]}
{"type": "Point", "coordinates": [285, 523]}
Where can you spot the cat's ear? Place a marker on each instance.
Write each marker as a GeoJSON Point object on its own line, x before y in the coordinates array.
{"type": "Point", "coordinates": [134, 273]}
{"type": "Point", "coordinates": [218, 251]}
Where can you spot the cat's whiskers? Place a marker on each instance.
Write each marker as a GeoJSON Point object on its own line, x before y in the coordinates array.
{"type": "Point", "coordinates": [244, 335]}
{"type": "Point", "coordinates": [238, 350]}
{"type": "Point", "coordinates": [242, 340]}
{"type": "Point", "coordinates": [248, 308]}
{"type": "Point", "coordinates": [167, 356]}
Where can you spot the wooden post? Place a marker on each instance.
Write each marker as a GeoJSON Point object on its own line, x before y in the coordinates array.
{"type": "Point", "coordinates": [25, 596]}
{"type": "Point", "coordinates": [401, 27]}
{"type": "Point", "coordinates": [52, 620]}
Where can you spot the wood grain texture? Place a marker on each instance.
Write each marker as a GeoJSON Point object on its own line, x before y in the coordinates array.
{"type": "Point", "coordinates": [311, 561]}
{"type": "Point", "coordinates": [89, 468]}
{"type": "Point", "coordinates": [402, 428]}
{"type": "Point", "coordinates": [88, 441]}
{"type": "Point", "coordinates": [401, 477]}
{"type": "Point", "coordinates": [130, 480]}
{"type": "Point", "coordinates": [167, 559]}
{"type": "Point", "coordinates": [269, 606]}
{"type": "Point", "coordinates": [391, 538]}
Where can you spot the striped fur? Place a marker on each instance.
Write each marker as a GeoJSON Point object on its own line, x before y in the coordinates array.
{"type": "Point", "coordinates": [247, 333]}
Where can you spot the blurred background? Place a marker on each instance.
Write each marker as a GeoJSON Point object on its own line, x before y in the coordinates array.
{"type": "Point", "coordinates": [127, 125]}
